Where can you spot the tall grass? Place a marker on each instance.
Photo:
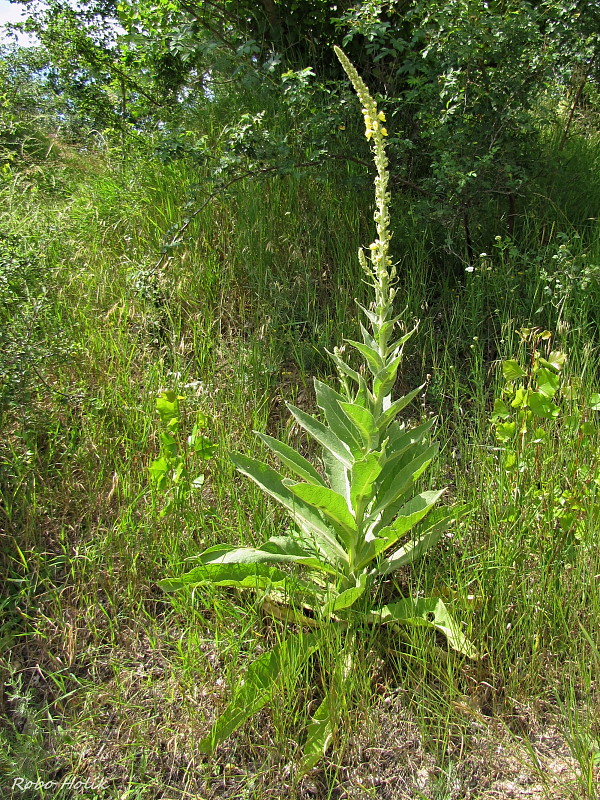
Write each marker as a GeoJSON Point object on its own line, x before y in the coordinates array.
{"type": "Point", "coordinates": [106, 680]}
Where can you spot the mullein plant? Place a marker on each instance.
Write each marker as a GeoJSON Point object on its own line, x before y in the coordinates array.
{"type": "Point", "coordinates": [356, 520]}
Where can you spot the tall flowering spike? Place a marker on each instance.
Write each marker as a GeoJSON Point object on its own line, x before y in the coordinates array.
{"type": "Point", "coordinates": [378, 263]}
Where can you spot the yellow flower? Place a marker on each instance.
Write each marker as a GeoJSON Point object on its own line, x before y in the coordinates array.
{"type": "Point", "coordinates": [381, 116]}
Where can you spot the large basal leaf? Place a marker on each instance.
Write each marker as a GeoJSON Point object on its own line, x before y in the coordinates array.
{"type": "Point", "coordinates": [270, 482]}
{"type": "Point", "coordinates": [266, 555]}
{"type": "Point", "coordinates": [427, 611]}
{"type": "Point", "coordinates": [318, 738]}
{"type": "Point", "coordinates": [257, 687]}
{"type": "Point", "coordinates": [324, 435]}
{"type": "Point", "coordinates": [292, 459]}
{"type": "Point", "coordinates": [244, 576]}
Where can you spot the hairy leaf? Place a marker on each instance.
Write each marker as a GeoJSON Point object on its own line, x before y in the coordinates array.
{"type": "Point", "coordinates": [427, 611]}
{"type": "Point", "coordinates": [318, 737]}
{"type": "Point", "coordinates": [242, 575]}
{"type": "Point", "coordinates": [333, 505]}
{"type": "Point", "coordinates": [324, 435]}
{"type": "Point", "coordinates": [292, 459]}
{"type": "Point", "coordinates": [257, 687]}
{"type": "Point", "coordinates": [330, 401]}
{"type": "Point", "coordinates": [270, 481]}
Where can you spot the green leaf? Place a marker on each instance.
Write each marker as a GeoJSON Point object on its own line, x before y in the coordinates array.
{"type": "Point", "coordinates": [387, 328]}
{"type": "Point", "coordinates": [329, 402]}
{"type": "Point", "coordinates": [401, 483]}
{"type": "Point", "coordinates": [318, 737]}
{"type": "Point", "coordinates": [347, 598]}
{"type": "Point", "coordinates": [304, 515]}
{"type": "Point", "coordinates": [371, 315]}
{"type": "Point", "coordinates": [344, 368]}
{"type": "Point", "coordinates": [505, 431]}
{"type": "Point", "coordinates": [541, 406]}
{"type": "Point", "coordinates": [202, 419]}
{"type": "Point", "coordinates": [501, 410]}
{"type": "Point", "coordinates": [539, 435]}
{"type": "Point", "coordinates": [202, 446]}
{"type": "Point", "coordinates": [337, 475]}
{"type": "Point", "coordinates": [521, 398]}
{"type": "Point", "coordinates": [547, 382]}
{"type": "Point", "coordinates": [371, 355]}
{"type": "Point", "coordinates": [397, 406]}
{"type": "Point", "coordinates": [324, 435]}
{"type": "Point", "coordinates": [367, 338]}
{"type": "Point", "coordinates": [512, 370]}
{"type": "Point", "coordinates": [429, 612]}
{"type": "Point", "coordinates": [159, 468]}
{"type": "Point", "coordinates": [363, 420]}
{"type": "Point", "coordinates": [333, 505]}
{"type": "Point", "coordinates": [257, 687]}
{"type": "Point", "coordinates": [169, 444]}
{"type": "Point", "coordinates": [364, 473]}
{"type": "Point", "coordinates": [416, 548]}
{"type": "Point", "coordinates": [400, 441]}
{"type": "Point", "coordinates": [270, 552]}
{"type": "Point", "coordinates": [244, 576]}
{"type": "Point", "coordinates": [292, 459]}
{"type": "Point", "coordinates": [556, 360]}
{"type": "Point", "coordinates": [409, 515]}
{"type": "Point", "coordinates": [595, 402]}
{"type": "Point", "coordinates": [167, 406]}
{"type": "Point", "coordinates": [386, 378]}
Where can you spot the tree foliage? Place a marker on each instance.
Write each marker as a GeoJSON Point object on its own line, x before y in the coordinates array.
{"type": "Point", "coordinates": [467, 85]}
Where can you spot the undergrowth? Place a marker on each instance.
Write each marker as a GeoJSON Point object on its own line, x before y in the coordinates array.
{"type": "Point", "coordinates": [104, 679]}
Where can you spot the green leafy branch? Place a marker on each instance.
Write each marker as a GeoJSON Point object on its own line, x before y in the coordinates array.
{"type": "Point", "coordinates": [173, 472]}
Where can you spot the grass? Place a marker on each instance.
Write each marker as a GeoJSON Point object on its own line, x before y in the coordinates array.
{"type": "Point", "coordinates": [108, 680]}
